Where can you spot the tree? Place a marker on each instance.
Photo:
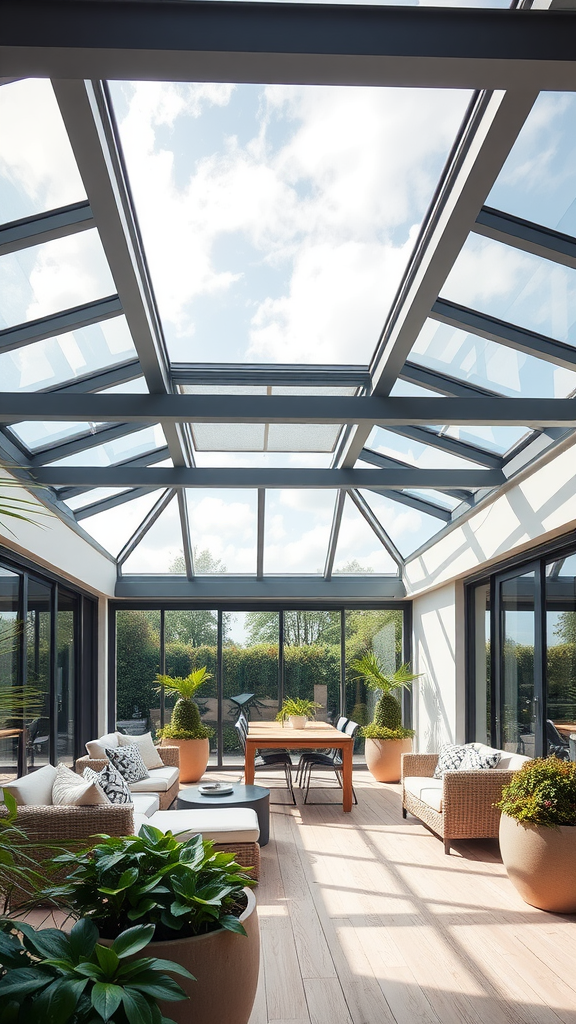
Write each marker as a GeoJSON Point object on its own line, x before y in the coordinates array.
{"type": "Point", "coordinates": [353, 566]}
{"type": "Point", "coordinates": [301, 628]}
{"type": "Point", "coordinates": [205, 563]}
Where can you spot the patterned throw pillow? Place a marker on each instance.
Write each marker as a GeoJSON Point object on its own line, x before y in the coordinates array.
{"type": "Point", "coordinates": [129, 762]}
{"type": "Point", "coordinates": [449, 758]}
{"type": "Point", "coordinates": [111, 783]}
{"type": "Point", "coordinates": [474, 760]}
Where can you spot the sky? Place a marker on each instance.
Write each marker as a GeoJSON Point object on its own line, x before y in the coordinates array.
{"type": "Point", "coordinates": [277, 222]}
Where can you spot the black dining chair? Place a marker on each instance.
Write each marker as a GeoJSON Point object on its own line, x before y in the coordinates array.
{"type": "Point", "coordinates": [309, 755]}
{"type": "Point", "coordinates": [269, 762]}
{"type": "Point", "coordinates": [331, 762]}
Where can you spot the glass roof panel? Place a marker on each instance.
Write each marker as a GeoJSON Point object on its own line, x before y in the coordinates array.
{"type": "Point", "coordinates": [436, 497]}
{"type": "Point", "coordinates": [46, 364]}
{"type": "Point", "coordinates": [223, 523]}
{"type": "Point", "coordinates": [263, 460]}
{"type": "Point", "coordinates": [358, 550]}
{"type": "Point", "coordinates": [113, 528]}
{"type": "Point", "coordinates": [297, 530]}
{"type": "Point", "coordinates": [274, 437]}
{"type": "Point", "coordinates": [160, 550]}
{"type": "Point", "coordinates": [491, 439]}
{"type": "Point", "coordinates": [117, 450]}
{"type": "Point", "coordinates": [538, 181]}
{"type": "Point", "coordinates": [408, 528]}
{"type": "Point", "coordinates": [515, 286]}
{"type": "Point", "coordinates": [53, 276]}
{"type": "Point", "coordinates": [487, 364]}
{"type": "Point", "coordinates": [412, 452]}
{"type": "Point", "coordinates": [278, 220]}
{"type": "Point", "coordinates": [35, 434]}
{"type": "Point", "coordinates": [90, 497]}
{"type": "Point", "coordinates": [38, 171]}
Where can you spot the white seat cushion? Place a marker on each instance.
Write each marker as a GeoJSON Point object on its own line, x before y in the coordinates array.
{"type": "Point", "coordinates": [159, 781]}
{"type": "Point", "coordinates": [139, 820]}
{"type": "Point", "coordinates": [427, 790]}
{"type": "Point", "coordinates": [224, 825]}
{"type": "Point", "coordinates": [34, 789]}
{"type": "Point", "coordinates": [146, 803]}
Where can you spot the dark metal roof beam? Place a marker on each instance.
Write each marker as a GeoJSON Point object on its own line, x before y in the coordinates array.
{"type": "Point", "coordinates": [445, 443]}
{"type": "Point", "coordinates": [334, 534]}
{"type": "Point", "coordinates": [178, 477]}
{"type": "Point", "coordinates": [270, 374]}
{"type": "Point", "coordinates": [289, 43]}
{"type": "Point", "coordinates": [260, 533]}
{"type": "Point", "coordinates": [60, 323]}
{"type": "Point", "coordinates": [413, 501]}
{"type": "Point", "coordinates": [45, 227]}
{"type": "Point", "coordinates": [122, 373]}
{"type": "Point", "coordinates": [148, 521]}
{"type": "Point", "coordinates": [504, 333]}
{"type": "Point", "coordinates": [186, 541]}
{"type": "Point", "coordinates": [355, 590]}
{"type": "Point", "coordinates": [112, 502]}
{"type": "Point", "coordinates": [442, 383]}
{"type": "Point", "coordinates": [148, 459]}
{"type": "Point", "coordinates": [368, 411]}
{"type": "Point", "coordinates": [525, 235]}
{"type": "Point", "coordinates": [385, 462]}
{"type": "Point", "coordinates": [375, 524]}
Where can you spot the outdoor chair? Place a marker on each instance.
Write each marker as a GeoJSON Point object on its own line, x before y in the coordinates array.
{"type": "Point", "coordinates": [557, 744]}
{"type": "Point", "coordinates": [269, 762]}
{"type": "Point", "coordinates": [309, 755]}
{"type": "Point", "coordinates": [332, 762]}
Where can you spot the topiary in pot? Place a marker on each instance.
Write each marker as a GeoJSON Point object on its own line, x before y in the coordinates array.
{"type": "Point", "coordinates": [186, 730]}
{"type": "Point", "coordinates": [386, 738]}
{"type": "Point", "coordinates": [538, 833]}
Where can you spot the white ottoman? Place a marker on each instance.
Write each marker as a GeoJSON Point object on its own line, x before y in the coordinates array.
{"type": "Point", "coordinates": [232, 829]}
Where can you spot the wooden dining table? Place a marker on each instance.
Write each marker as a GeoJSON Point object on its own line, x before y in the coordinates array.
{"type": "Point", "coordinates": [315, 736]}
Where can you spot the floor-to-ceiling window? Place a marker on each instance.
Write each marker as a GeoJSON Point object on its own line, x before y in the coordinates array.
{"type": "Point", "coordinates": [521, 639]}
{"type": "Point", "coordinates": [47, 667]}
{"type": "Point", "coordinates": [255, 658]}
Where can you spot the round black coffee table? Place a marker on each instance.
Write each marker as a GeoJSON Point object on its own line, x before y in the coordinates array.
{"type": "Point", "coordinates": [255, 797]}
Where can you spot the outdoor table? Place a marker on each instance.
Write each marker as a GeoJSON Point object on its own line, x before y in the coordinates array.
{"type": "Point", "coordinates": [245, 701]}
{"type": "Point", "coordinates": [19, 734]}
{"type": "Point", "coordinates": [315, 735]}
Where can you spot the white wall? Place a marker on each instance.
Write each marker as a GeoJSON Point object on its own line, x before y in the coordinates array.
{"type": "Point", "coordinates": [49, 542]}
{"type": "Point", "coordinates": [438, 654]}
{"type": "Point", "coordinates": [541, 506]}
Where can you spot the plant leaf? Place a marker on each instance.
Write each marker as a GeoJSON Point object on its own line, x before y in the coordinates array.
{"type": "Point", "coordinates": [133, 940]}
{"type": "Point", "coordinates": [106, 998]}
{"type": "Point", "coordinates": [107, 959]}
{"type": "Point", "coordinates": [136, 1007]}
{"type": "Point", "coordinates": [83, 939]}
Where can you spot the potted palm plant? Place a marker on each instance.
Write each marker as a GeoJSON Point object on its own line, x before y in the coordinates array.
{"type": "Point", "coordinates": [386, 738]}
{"type": "Point", "coordinates": [51, 977]}
{"type": "Point", "coordinates": [297, 710]}
{"type": "Point", "coordinates": [199, 901]}
{"type": "Point", "coordinates": [538, 833]}
{"type": "Point", "coordinates": [186, 730]}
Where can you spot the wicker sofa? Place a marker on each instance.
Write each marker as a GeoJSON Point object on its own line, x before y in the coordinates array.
{"type": "Point", "coordinates": [165, 782]}
{"type": "Point", "coordinates": [460, 805]}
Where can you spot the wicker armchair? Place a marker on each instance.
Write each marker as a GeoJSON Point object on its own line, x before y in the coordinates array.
{"type": "Point", "coordinates": [170, 756]}
{"type": "Point", "coordinates": [468, 799]}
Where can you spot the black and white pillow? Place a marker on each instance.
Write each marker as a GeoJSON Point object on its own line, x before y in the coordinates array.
{"type": "Point", "coordinates": [111, 783]}
{"type": "Point", "coordinates": [475, 759]}
{"type": "Point", "coordinates": [129, 762]}
{"type": "Point", "coordinates": [449, 759]}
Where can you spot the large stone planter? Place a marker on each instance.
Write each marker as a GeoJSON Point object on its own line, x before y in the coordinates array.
{"type": "Point", "coordinates": [194, 756]}
{"type": "Point", "coordinates": [541, 863]}
{"type": "Point", "coordinates": [383, 758]}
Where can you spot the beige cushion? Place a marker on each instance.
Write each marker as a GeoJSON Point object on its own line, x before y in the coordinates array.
{"type": "Point", "coordinates": [97, 748]}
{"type": "Point", "coordinates": [145, 744]}
{"type": "Point", "coordinates": [146, 803]}
{"type": "Point", "coordinates": [427, 790]}
{"type": "Point", "coordinates": [224, 825]}
{"type": "Point", "coordinates": [159, 781]}
{"type": "Point", "coordinates": [139, 820]}
{"type": "Point", "coordinates": [509, 761]}
{"type": "Point", "coordinates": [34, 789]}
{"type": "Point", "coordinates": [75, 791]}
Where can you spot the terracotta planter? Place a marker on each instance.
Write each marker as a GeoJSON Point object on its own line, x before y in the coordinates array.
{"type": "Point", "coordinates": [297, 721]}
{"type": "Point", "coordinates": [226, 969]}
{"type": "Point", "coordinates": [541, 863]}
{"type": "Point", "coordinates": [383, 758]}
{"type": "Point", "coordinates": [194, 756]}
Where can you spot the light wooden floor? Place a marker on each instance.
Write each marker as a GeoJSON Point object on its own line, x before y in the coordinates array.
{"type": "Point", "coordinates": [365, 920]}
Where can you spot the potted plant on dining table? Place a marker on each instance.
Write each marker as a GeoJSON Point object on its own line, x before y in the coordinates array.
{"type": "Point", "coordinates": [297, 710]}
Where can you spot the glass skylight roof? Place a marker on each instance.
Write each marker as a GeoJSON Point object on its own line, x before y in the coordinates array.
{"type": "Point", "coordinates": [277, 223]}
{"type": "Point", "coordinates": [278, 220]}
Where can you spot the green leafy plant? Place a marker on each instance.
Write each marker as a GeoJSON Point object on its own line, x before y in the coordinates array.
{"type": "Point", "coordinates": [387, 721]}
{"type": "Point", "coordinates": [18, 865]}
{"type": "Point", "coordinates": [186, 723]}
{"type": "Point", "coordinates": [25, 509]}
{"type": "Point", "coordinates": [183, 888]}
{"type": "Point", "coordinates": [297, 706]}
{"type": "Point", "coordinates": [50, 977]}
{"type": "Point", "coordinates": [543, 792]}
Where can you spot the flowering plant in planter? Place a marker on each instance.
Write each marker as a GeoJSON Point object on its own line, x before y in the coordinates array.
{"type": "Point", "coordinates": [543, 792]}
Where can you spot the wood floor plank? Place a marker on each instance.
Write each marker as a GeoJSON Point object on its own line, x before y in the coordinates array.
{"type": "Point", "coordinates": [285, 998]}
{"type": "Point", "coordinates": [326, 1003]}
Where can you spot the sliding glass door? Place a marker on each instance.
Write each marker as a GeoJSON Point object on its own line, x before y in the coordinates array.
{"type": "Point", "coordinates": [520, 681]}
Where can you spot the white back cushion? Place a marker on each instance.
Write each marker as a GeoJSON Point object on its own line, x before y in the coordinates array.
{"type": "Point", "coordinates": [145, 744]}
{"type": "Point", "coordinates": [74, 791]}
{"type": "Point", "coordinates": [97, 748]}
{"type": "Point", "coordinates": [34, 789]}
